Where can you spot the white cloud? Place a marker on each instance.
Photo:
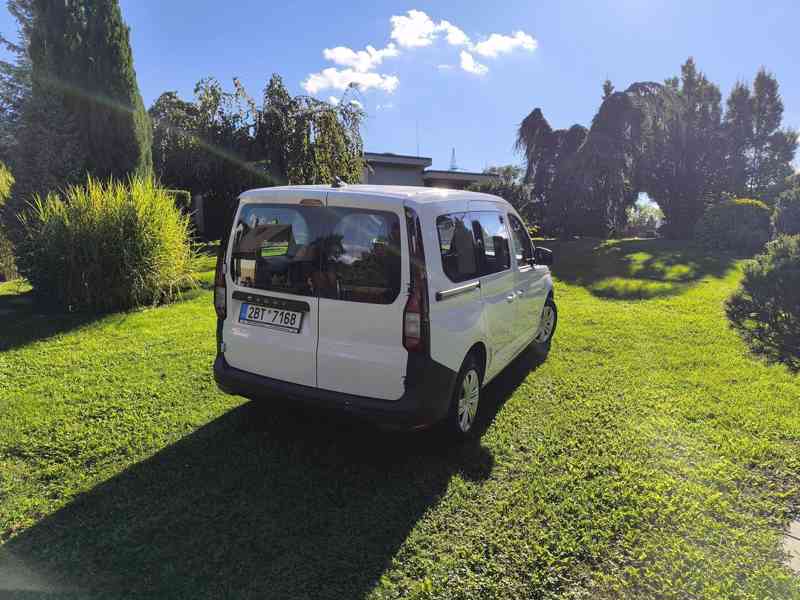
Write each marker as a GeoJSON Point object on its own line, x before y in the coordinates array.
{"type": "Point", "coordinates": [414, 30]}
{"type": "Point", "coordinates": [455, 37]}
{"type": "Point", "coordinates": [360, 60]}
{"type": "Point", "coordinates": [341, 79]}
{"type": "Point", "coordinates": [470, 65]}
{"type": "Point", "coordinates": [386, 106]}
{"type": "Point", "coordinates": [333, 100]}
{"type": "Point", "coordinates": [497, 44]}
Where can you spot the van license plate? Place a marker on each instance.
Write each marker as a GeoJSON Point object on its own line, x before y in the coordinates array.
{"type": "Point", "coordinates": [274, 318]}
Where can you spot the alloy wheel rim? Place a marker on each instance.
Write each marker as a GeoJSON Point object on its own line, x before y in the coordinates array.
{"type": "Point", "coordinates": [468, 400]}
{"type": "Point", "coordinates": [546, 325]}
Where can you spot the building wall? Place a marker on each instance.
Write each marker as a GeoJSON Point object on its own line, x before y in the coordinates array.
{"type": "Point", "coordinates": [384, 174]}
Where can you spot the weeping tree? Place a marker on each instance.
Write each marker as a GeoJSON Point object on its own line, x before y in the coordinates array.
{"type": "Point", "coordinates": [546, 152]}
{"type": "Point", "coordinates": [224, 142]}
{"type": "Point", "coordinates": [662, 139]}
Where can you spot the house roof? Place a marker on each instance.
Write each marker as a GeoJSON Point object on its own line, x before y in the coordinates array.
{"type": "Point", "coordinates": [398, 159]}
{"type": "Point", "coordinates": [457, 175]}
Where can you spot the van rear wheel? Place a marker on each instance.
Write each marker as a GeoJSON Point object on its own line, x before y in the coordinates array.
{"type": "Point", "coordinates": [466, 399]}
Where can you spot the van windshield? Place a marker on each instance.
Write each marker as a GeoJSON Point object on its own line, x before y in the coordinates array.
{"type": "Point", "coordinates": [337, 253]}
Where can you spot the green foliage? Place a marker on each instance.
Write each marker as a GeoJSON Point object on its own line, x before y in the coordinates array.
{"type": "Point", "coordinates": [7, 266]}
{"type": "Point", "coordinates": [113, 119]}
{"type": "Point", "coordinates": [786, 217]}
{"type": "Point", "coordinates": [548, 155]}
{"type": "Point", "coordinates": [685, 173]}
{"type": "Point", "coordinates": [670, 141]}
{"type": "Point", "coordinates": [224, 143]}
{"type": "Point", "coordinates": [758, 152]}
{"type": "Point", "coordinates": [766, 308]}
{"type": "Point", "coordinates": [519, 195]}
{"type": "Point", "coordinates": [182, 199]}
{"type": "Point", "coordinates": [73, 103]}
{"type": "Point", "coordinates": [643, 220]}
{"type": "Point", "coordinates": [106, 246]}
{"type": "Point", "coordinates": [741, 226]}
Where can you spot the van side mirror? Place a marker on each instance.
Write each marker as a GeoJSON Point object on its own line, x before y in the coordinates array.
{"type": "Point", "coordinates": [542, 256]}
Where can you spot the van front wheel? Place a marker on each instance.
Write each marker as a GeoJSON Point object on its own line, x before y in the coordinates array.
{"type": "Point", "coordinates": [466, 398]}
{"type": "Point", "coordinates": [547, 328]}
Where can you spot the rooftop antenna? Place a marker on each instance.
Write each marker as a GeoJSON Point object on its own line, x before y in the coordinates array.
{"type": "Point", "coordinates": [453, 166]}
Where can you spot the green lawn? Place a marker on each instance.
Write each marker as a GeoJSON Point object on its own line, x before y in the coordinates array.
{"type": "Point", "coordinates": [649, 456]}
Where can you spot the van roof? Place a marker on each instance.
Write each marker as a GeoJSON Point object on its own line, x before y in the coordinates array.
{"type": "Point", "coordinates": [418, 194]}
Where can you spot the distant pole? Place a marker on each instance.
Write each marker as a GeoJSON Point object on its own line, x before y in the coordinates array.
{"type": "Point", "coordinates": [453, 165]}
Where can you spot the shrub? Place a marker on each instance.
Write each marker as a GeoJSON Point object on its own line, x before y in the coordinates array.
{"type": "Point", "coordinates": [766, 308]}
{"type": "Point", "coordinates": [741, 226]}
{"type": "Point", "coordinates": [7, 267]}
{"type": "Point", "coordinates": [786, 218]}
{"type": "Point", "coordinates": [106, 246]}
{"type": "Point", "coordinates": [182, 199]}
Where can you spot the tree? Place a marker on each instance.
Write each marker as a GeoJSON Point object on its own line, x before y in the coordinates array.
{"type": "Point", "coordinates": [306, 140]}
{"type": "Point", "coordinates": [643, 220]}
{"type": "Point", "coordinates": [506, 173]}
{"type": "Point", "coordinates": [111, 112]}
{"type": "Point", "coordinates": [508, 185]}
{"type": "Point", "coordinates": [15, 76]}
{"type": "Point", "coordinates": [547, 152]}
{"type": "Point", "coordinates": [759, 153]}
{"type": "Point", "coordinates": [689, 174]}
{"type": "Point", "coordinates": [223, 142]}
{"type": "Point", "coordinates": [608, 88]}
{"type": "Point", "coordinates": [71, 105]}
{"type": "Point", "coordinates": [773, 148]}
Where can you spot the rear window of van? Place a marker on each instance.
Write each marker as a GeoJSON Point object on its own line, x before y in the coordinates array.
{"type": "Point", "coordinates": [337, 253]}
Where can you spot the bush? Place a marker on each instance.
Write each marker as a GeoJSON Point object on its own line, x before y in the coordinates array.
{"type": "Point", "coordinates": [106, 246]}
{"type": "Point", "coordinates": [741, 226]}
{"type": "Point", "coordinates": [766, 308]}
{"type": "Point", "coordinates": [7, 267]}
{"type": "Point", "coordinates": [182, 199]}
{"type": "Point", "coordinates": [786, 218]}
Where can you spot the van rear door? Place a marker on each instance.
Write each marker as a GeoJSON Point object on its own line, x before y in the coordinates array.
{"type": "Point", "coordinates": [366, 271]}
{"type": "Point", "coordinates": [274, 277]}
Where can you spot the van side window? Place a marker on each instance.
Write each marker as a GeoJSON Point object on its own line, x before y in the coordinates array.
{"type": "Point", "coordinates": [523, 249]}
{"type": "Point", "coordinates": [277, 247]}
{"type": "Point", "coordinates": [493, 248]}
{"type": "Point", "coordinates": [457, 246]}
{"type": "Point", "coordinates": [362, 256]}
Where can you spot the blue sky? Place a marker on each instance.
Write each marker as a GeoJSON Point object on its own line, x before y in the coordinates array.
{"type": "Point", "coordinates": [558, 62]}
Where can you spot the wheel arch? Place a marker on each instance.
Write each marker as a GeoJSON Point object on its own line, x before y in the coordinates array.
{"type": "Point", "coordinates": [478, 349]}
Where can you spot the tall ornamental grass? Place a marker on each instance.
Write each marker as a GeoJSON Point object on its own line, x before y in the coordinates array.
{"type": "Point", "coordinates": [7, 267]}
{"type": "Point", "coordinates": [106, 246]}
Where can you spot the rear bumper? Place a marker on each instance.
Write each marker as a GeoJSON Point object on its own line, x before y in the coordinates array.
{"type": "Point", "coordinates": [429, 388]}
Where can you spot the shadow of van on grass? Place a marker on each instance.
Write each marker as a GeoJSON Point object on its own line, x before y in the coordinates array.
{"type": "Point", "coordinates": [261, 503]}
{"type": "Point", "coordinates": [635, 269]}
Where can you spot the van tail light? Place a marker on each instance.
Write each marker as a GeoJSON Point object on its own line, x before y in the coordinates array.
{"type": "Point", "coordinates": [220, 288]}
{"type": "Point", "coordinates": [416, 322]}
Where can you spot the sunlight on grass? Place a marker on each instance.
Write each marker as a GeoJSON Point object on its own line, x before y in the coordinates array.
{"type": "Point", "coordinates": [650, 456]}
{"type": "Point", "coordinates": [634, 289]}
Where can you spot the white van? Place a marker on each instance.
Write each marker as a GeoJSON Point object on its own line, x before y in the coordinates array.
{"type": "Point", "coordinates": [394, 303]}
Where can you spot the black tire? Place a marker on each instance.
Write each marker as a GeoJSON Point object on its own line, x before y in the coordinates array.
{"type": "Point", "coordinates": [541, 347]}
{"type": "Point", "coordinates": [458, 425]}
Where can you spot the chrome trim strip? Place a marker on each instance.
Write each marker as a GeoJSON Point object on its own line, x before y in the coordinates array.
{"type": "Point", "coordinates": [462, 289]}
